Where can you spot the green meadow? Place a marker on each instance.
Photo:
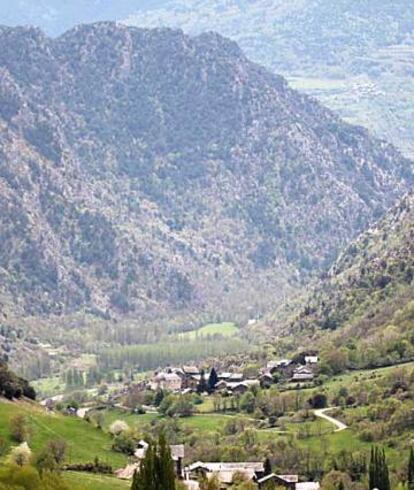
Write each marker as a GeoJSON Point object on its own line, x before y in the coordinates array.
{"type": "Point", "coordinates": [225, 329]}
{"type": "Point", "coordinates": [88, 481]}
{"type": "Point", "coordinates": [84, 442]}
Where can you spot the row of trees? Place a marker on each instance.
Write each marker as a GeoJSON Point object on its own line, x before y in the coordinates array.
{"type": "Point", "coordinates": [152, 356]}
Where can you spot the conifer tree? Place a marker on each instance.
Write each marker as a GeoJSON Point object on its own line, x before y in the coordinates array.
{"type": "Point", "coordinates": [267, 467]}
{"type": "Point", "coordinates": [378, 470]}
{"type": "Point", "coordinates": [166, 474]}
{"type": "Point", "coordinates": [156, 470]}
{"type": "Point", "coordinates": [410, 475]}
{"type": "Point", "coordinates": [212, 380]}
{"type": "Point", "coordinates": [202, 385]}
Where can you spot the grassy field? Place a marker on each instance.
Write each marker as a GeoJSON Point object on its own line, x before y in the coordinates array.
{"type": "Point", "coordinates": [88, 481]}
{"type": "Point", "coordinates": [84, 442]}
{"type": "Point", "coordinates": [132, 420]}
{"type": "Point", "coordinates": [225, 329]}
{"type": "Point", "coordinates": [198, 422]}
{"type": "Point", "coordinates": [206, 423]}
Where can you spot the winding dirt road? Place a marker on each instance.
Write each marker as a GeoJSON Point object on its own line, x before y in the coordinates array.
{"type": "Point", "coordinates": [321, 413]}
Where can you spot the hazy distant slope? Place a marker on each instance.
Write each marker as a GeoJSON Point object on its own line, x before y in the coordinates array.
{"type": "Point", "coordinates": [57, 16]}
{"type": "Point", "coordinates": [149, 173]}
{"type": "Point", "coordinates": [357, 57]}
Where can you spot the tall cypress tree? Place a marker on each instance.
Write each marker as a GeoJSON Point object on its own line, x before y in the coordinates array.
{"type": "Point", "coordinates": [202, 384]}
{"type": "Point", "coordinates": [212, 380]}
{"type": "Point", "coordinates": [385, 475]}
{"type": "Point", "coordinates": [378, 470]}
{"type": "Point", "coordinates": [267, 467]}
{"type": "Point", "coordinates": [156, 470]}
{"type": "Point", "coordinates": [166, 475]}
{"type": "Point", "coordinates": [410, 475]}
{"type": "Point", "coordinates": [145, 478]}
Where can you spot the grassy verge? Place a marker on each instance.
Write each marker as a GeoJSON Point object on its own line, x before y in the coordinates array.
{"type": "Point", "coordinates": [84, 442]}
{"type": "Point", "coordinates": [88, 481]}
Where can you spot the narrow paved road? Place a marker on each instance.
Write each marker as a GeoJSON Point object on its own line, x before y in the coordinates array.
{"type": "Point", "coordinates": [337, 423]}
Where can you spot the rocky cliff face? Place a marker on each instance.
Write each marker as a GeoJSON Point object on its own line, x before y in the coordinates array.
{"type": "Point", "coordinates": [147, 172]}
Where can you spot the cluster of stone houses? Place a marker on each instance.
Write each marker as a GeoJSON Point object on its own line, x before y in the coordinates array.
{"type": "Point", "coordinates": [291, 370]}
{"type": "Point", "coordinates": [187, 378]}
{"type": "Point", "coordinates": [184, 379]}
{"type": "Point", "coordinates": [250, 471]}
{"type": "Point", "coordinates": [224, 472]}
{"type": "Point", "coordinates": [177, 455]}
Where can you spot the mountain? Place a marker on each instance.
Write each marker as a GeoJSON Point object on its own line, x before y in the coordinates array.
{"type": "Point", "coordinates": [148, 173]}
{"type": "Point", "coordinates": [368, 292]}
{"type": "Point", "coordinates": [356, 57]}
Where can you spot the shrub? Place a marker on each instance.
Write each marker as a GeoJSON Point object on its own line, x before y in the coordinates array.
{"type": "Point", "coordinates": [124, 444]}
{"type": "Point", "coordinates": [21, 455]}
{"type": "Point", "coordinates": [118, 427]}
{"type": "Point", "coordinates": [19, 428]}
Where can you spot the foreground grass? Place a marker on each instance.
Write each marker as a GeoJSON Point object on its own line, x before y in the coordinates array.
{"type": "Point", "coordinates": [84, 442]}
{"type": "Point", "coordinates": [88, 481]}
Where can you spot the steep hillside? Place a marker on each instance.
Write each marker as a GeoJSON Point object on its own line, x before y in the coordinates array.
{"type": "Point", "coordinates": [368, 294]}
{"type": "Point", "coordinates": [147, 173]}
{"type": "Point", "coordinates": [355, 56]}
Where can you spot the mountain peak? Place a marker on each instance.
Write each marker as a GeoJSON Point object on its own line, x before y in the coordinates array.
{"type": "Point", "coordinates": [147, 153]}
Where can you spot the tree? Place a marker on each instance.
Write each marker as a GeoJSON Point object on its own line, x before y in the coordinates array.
{"type": "Point", "coordinates": [212, 381]}
{"type": "Point", "coordinates": [156, 470]}
{"type": "Point", "coordinates": [267, 467]}
{"type": "Point", "coordinates": [159, 396]}
{"type": "Point", "coordinates": [248, 402]}
{"type": "Point", "coordinates": [319, 400]}
{"type": "Point", "coordinates": [378, 470]}
{"type": "Point", "coordinates": [410, 475]}
{"type": "Point", "coordinates": [166, 476]}
{"type": "Point", "coordinates": [202, 384]}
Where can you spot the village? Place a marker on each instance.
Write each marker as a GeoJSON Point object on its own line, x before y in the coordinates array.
{"type": "Point", "coordinates": [186, 380]}
{"type": "Point", "coordinates": [190, 379]}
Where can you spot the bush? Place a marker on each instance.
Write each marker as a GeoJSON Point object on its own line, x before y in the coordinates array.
{"type": "Point", "coordinates": [21, 455]}
{"type": "Point", "coordinates": [95, 467]}
{"type": "Point", "coordinates": [124, 444]}
{"type": "Point", "coordinates": [19, 428]}
{"type": "Point", "coordinates": [318, 401]}
{"type": "Point", "coordinates": [118, 427]}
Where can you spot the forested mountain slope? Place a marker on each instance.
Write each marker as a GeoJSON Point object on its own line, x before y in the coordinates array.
{"type": "Point", "coordinates": [367, 298]}
{"type": "Point", "coordinates": [145, 172]}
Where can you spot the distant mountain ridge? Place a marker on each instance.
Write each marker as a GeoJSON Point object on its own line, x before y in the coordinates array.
{"type": "Point", "coordinates": [149, 173]}
{"type": "Point", "coordinates": [356, 57]}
